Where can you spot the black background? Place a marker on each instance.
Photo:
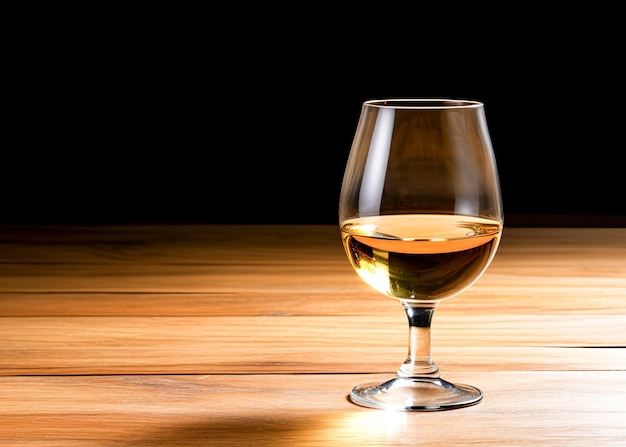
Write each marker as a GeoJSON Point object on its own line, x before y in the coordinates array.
{"type": "Point", "coordinates": [194, 125]}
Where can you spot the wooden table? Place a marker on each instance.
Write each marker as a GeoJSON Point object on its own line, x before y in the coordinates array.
{"type": "Point", "coordinates": [254, 335]}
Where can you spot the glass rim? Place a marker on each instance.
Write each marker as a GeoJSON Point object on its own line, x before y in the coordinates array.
{"type": "Point", "coordinates": [423, 103]}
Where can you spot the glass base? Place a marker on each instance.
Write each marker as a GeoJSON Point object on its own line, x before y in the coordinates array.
{"type": "Point", "coordinates": [415, 394]}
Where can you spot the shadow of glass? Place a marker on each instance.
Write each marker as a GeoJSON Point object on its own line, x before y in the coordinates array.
{"type": "Point", "coordinates": [359, 427]}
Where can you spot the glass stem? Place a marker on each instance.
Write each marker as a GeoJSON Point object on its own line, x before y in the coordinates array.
{"type": "Point", "coordinates": [419, 362]}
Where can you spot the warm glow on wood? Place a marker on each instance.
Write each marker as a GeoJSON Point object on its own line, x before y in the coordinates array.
{"type": "Point", "coordinates": [254, 335]}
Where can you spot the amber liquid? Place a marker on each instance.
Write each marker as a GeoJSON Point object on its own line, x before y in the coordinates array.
{"type": "Point", "coordinates": [420, 257]}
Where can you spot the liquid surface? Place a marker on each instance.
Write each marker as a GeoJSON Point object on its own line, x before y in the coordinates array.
{"type": "Point", "coordinates": [420, 257]}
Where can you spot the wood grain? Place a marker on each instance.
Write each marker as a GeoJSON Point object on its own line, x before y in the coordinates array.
{"type": "Point", "coordinates": [520, 408]}
{"type": "Point", "coordinates": [253, 335]}
{"type": "Point", "coordinates": [188, 345]}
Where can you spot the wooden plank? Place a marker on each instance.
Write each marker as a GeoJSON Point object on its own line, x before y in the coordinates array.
{"type": "Point", "coordinates": [173, 278]}
{"type": "Point", "coordinates": [215, 244]}
{"type": "Point", "coordinates": [137, 345]}
{"type": "Point", "coordinates": [361, 300]}
{"type": "Point", "coordinates": [270, 270]}
{"type": "Point", "coordinates": [478, 300]}
{"type": "Point", "coordinates": [328, 278]}
{"type": "Point", "coordinates": [574, 408]}
{"type": "Point", "coordinates": [162, 244]}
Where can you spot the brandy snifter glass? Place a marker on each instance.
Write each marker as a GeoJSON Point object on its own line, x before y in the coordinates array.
{"type": "Point", "coordinates": [420, 214]}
